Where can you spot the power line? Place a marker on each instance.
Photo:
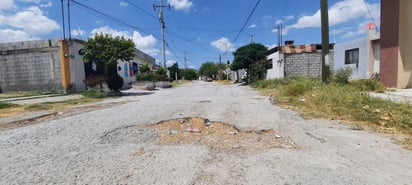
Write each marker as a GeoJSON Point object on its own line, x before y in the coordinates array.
{"type": "Point", "coordinates": [244, 25]}
{"type": "Point", "coordinates": [141, 9]}
{"type": "Point", "coordinates": [111, 18]}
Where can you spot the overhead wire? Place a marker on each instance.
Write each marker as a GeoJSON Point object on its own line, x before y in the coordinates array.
{"type": "Point", "coordinates": [111, 18]}
{"type": "Point", "coordinates": [244, 24]}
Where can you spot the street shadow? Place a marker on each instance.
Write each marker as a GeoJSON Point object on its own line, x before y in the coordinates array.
{"type": "Point", "coordinates": [244, 84]}
{"type": "Point", "coordinates": [136, 93]}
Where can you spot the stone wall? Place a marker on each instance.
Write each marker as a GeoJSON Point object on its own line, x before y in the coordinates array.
{"type": "Point", "coordinates": [30, 65]}
{"type": "Point", "coordinates": [305, 64]}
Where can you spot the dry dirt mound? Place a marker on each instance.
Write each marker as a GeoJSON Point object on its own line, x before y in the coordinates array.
{"type": "Point", "coordinates": [217, 135]}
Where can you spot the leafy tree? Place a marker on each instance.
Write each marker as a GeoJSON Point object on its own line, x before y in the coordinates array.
{"type": "Point", "coordinates": [189, 74]}
{"type": "Point", "coordinates": [144, 68]}
{"type": "Point", "coordinates": [247, 55]}
{"type": "Point", "coordinates": [174, 71]}
{"type": "Point", "coordinates": [105, 51]}
{"type": "Point", "coordinates": [208, 69]}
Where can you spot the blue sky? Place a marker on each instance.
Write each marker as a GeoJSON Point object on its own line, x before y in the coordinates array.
{"type": "Point", "coordinates": [199, 29]}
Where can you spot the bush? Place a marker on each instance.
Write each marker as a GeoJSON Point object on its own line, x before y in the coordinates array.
{"type": "Point", "coordinates": [115, 82]}
{"type": "Point", "coordinates": [368, 85]}
{"type": "Point", "coordinates": [94, 80]}
{"type": "Point", "coordinates": [5, 105]}
{"type": "Point", "coordinates": [342, 76]}
{"type": "Point", "coordinates": [94, 94]}
{"type": "Point", "coordinates": [145, 77]}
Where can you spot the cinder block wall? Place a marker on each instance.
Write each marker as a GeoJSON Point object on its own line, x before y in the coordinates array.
{"type": "Point", "coordinates": [305, 64]}
{"type": "Point", "coordinates": [30, 66]}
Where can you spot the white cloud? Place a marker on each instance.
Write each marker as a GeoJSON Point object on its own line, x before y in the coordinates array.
{"type": "Point", "coordinates": [278, 22]}
{"type": "Point", "coordinates": [252, 26]}
{"type": "Point", "coordinates": [355, 32]}
{"type": "Point", "coordinates": [222, 43]}
{"type": "Point", "coordinates": [290, 17]}
{"type": "Point", "coordinates": [181, 4]}
{"type": "Point", "coordinates": [145, 43]}
{"type": "Point", "coordinates": [284, 30]}
{"type": "Point", "coordinates": [6, 4]}
{"type": "Point", "coordinates": [8, 35]}
{"type": "Point", "coordinates": [31, 20]}
{"type": "Point", "coordinates": [171, 62]}
{"type": "Point", "coordinates": [123, 4]}
{"type": "Point", "coordinates": [47, 4]}
{"type": "Point", "coordinates": [77, 32]}
{"type": "Point", "coordinates": [340, 12]}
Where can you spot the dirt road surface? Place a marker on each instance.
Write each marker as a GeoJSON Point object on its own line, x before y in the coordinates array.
{"type": "Point", "coordinates": [243, 139]}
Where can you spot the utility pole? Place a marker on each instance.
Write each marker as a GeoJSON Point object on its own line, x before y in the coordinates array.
{"type": "Point", "coordinates": [162, 26]}
{"type": "Point", "coordinates": [251, 38]}
{"type": "Point", "coordinates": [325, 38]}
{"type": "Point", "coordinates": [220, 67]}
{"type": "Point", "coordinates": [184, 53]}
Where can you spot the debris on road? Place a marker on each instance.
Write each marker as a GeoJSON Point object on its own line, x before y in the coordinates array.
{"type": "Point", "coordinates": [217, 135]}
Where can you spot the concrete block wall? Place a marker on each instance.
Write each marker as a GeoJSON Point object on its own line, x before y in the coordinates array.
{"type": "Point", "coordinates": [30, 66]}
{"type": "Point", "coordinates": [305, 64]}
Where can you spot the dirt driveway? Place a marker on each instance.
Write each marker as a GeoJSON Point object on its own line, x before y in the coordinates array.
{"type": "Point", "coordinates": [200, 133]}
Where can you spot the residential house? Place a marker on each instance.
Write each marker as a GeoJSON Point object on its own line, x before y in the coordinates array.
{"type": "Point", "coordinates": [361, 55]}
{"type": "Point", "coordinates": [396, 43]}
{"type": "Point", "coordinates": [297, 60]}
{"type": "Point", "coordinates": [53, 64]}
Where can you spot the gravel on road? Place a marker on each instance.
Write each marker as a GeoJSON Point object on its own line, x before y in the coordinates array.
{"type": "Point", "coordinates": [120, 144]}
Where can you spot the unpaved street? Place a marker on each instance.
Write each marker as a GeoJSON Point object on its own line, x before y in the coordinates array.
{"type": "Point", "coordinates": [119, 144]}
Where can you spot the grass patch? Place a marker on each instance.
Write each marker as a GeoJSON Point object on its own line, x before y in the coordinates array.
{"type": "Point", "coordinates": [38, 107]}
{"type": "Point", "coordinates": [340, 101]}
{"type": "Point", "coordinates": [6, 105]}
{"type": "Point", "coordinates": [180, 82]}
{"type": "Point", "coordinates": [94, 94]}
{"type": "Point", "coordinates": [25, 94]}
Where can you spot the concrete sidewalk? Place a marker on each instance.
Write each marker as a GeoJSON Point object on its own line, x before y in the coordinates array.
{"type": "Point", "coordinates": [398, 95]}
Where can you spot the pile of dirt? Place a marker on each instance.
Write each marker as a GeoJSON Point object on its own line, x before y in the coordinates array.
{"type": "Point", "coordinates": [217, 135]}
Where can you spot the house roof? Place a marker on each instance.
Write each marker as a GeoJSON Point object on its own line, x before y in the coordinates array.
{"type": "Point", "coordinates": [306, 48]}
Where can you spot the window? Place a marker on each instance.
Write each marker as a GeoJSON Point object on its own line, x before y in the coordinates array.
{"type": "Point", "coordinates": [269, 64]}
{"type": "Point", "coordinates": [352, 56]}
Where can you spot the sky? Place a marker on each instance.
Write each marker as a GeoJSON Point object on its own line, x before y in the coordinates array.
{"type": "Point", "coordinates": [196, 31]}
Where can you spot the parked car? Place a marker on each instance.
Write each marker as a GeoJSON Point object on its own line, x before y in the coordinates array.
{"type": "Point", "coordinates": [209, 79]}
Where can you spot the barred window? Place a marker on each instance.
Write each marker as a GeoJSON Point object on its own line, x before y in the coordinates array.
{"type": "Point", "coordinates": [352, 56]}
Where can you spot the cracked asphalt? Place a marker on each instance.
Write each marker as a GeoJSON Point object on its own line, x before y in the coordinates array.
{"type": "Point", "coordinates": [114, 145]}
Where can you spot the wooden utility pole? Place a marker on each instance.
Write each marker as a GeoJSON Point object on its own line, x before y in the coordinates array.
{"type": "Point", "coordinates": [162, 26]}
{"type": "Point", "coordinates": [325, 38]}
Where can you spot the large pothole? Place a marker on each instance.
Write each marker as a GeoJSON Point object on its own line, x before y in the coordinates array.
{"type": "Point", "coordinates": [217, 135]}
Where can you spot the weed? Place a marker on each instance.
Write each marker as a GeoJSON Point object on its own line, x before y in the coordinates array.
{"type": "Point", "coordinates": [39, 106]}
{"type": "Point", "coordinates": [340, 101]}
{"type": "Point", "coordinates": [5, 105]}
{"type": "Point", "coordinates": [94, 94]}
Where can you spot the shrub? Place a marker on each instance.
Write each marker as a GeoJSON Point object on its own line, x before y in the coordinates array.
{"type": "Point", "coordinates": [342, 76]}
{"type": "Point", "coordinates": [145, 77]}
{"type": "Point", "coordinates": [115, 82]}
{"type": "Point", "coordinates": [5, 105]}
{"type": "Point", "coordinates": [368, 85]}
{"type": "Point", "coordinates": [94, 80]}
{"type": "Point", "coordinates": [94, 94]}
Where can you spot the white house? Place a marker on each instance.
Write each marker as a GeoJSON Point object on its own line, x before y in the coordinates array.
{"type": "Point", "coordinates": [361, 55]}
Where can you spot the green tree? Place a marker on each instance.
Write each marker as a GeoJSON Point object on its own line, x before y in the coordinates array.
{"type": "Point", "coordinates": [105, 51]}
{"type": "Point", "coordinates": [208, 69]}
{"type": "Point", "coordinates": [189, 74]}
{"type": "Point", "coordinates": [174, 71]}
{"type": "Point", "coordinates": [247, 55]}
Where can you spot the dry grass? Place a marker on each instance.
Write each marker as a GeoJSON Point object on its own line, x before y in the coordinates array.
{"type": "Point", "coordinates": [349, 103]}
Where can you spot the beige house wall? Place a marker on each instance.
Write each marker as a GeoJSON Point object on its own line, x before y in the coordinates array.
{"type": "Point", "coordinates": [405, 45]}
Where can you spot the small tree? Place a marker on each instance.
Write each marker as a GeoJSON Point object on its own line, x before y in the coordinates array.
{"type": "Point", "coordinates": [247, 55]}
{"type": "Point", "coordinates": [189, 74]}
{"type": "Point", "coordinates": [174, 71]}
{"type": "Point", "coordinates": [105, 51]}
{"type": "Point", "coordinates": [208, 69]}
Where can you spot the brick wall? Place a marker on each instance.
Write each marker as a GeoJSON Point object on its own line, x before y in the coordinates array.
{"type": "Point", "coordinates": [30, 65]}
{"type": "Point", "coordinates": [305, 64]}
